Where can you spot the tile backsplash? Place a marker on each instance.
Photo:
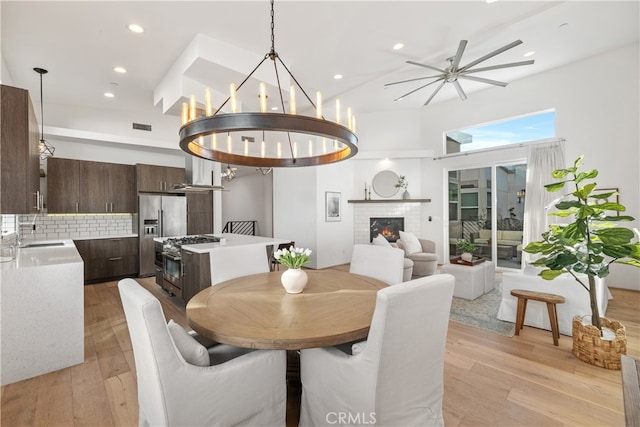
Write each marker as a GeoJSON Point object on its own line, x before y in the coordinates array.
{"type": "Point", "coordinates": [48, 227]}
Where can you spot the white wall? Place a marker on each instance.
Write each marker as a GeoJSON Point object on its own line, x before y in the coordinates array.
{"type": "Point", "coordinates": [249, 198]}
{"type": "Point", "coordinates": [295, 212]}
{"type": "Point", "coordinates": [597, 116]}
{"type": "Point", "coordinates": [116, 153]}
{"type": "Point", "coordinates": [299, 211]}
{"type": "Point", "coordinates": [335, 239]}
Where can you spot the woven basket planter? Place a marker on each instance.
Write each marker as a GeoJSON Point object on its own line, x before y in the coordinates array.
{"type": "Point", "coordinates": [589, 347]}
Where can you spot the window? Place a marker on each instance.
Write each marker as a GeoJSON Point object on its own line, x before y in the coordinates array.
{"type": "Point", "coordinates": [531, 127]}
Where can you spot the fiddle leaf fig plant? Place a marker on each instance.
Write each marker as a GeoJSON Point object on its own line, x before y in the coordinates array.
{"type": "Point", "coordinates": [593, 241]}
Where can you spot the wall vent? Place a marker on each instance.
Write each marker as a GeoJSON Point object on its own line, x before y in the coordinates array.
{"type": "Point", "coordinates": [140, 126]}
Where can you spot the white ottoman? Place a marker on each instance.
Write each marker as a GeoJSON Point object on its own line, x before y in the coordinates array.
{"type": "Point", "coordinates": [472, 281]}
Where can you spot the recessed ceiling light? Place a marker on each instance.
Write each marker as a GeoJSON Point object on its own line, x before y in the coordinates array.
{"type": "Point", "coordinates": [337, 76]}
{"type": "Point", "coordinates": [274, 108]}
{"type": "Point", "coordinates": [109, 95]}
{"type": "Point", "coordinates": [398, 46]}
{"type": "Point", "coordinates": [136, 28]}
{"type": "Point", "coordinates": [530, 53]}
{"type": "Point", "coordinates": [120, 70]}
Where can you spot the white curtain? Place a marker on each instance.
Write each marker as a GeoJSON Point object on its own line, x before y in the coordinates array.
{"type": "Point", "coordinates": [541, 161]}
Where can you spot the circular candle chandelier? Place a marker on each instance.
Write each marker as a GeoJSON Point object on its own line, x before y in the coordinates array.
{"type": "Point", "coordinates": [266, 139]}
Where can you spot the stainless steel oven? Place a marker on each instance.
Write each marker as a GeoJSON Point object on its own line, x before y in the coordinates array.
{"type": "Point", "coordinates": [168, 261]}
{"type": "Point", "coordinates": [172, 273]}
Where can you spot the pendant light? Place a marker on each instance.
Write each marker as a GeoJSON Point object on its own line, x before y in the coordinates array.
{"type": "Point", "coordinates": [45, 149]}
{"type": "Point", "coordinates": [292, 139]}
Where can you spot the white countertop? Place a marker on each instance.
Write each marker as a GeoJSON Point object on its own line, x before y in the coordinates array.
{"type": "Point", "coordinates": [36, 256]}
{"type": "Point", "coordinates": [117, 236]}
{"type": "Point", "coordinates": [230, 239]}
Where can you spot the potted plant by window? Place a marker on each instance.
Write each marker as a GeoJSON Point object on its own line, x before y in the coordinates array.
{"type": "Point", "coordinates": [403, 183]}
{"type": "Point", "coordinates": [585, 248]}
{"type": "Point", "coordinates": [467, 248]}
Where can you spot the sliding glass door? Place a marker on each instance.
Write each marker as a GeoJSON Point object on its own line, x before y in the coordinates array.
{"type": "Point", "coordinates": [486, 206]}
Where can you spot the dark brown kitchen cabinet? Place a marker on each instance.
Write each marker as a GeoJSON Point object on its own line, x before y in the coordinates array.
{"type": "Point", "coordinates": [63, 185]}
{"type": "Point", "coordinates": [158, 178]}
{"type": "Point", "coordinates": [76, 186]}
{"type": "Point", "coordinates": [19, 157]}
{"type": "Point", "coordinates": [94, 188]}
{"type": "Point", "coordinates": [107, 187]}
{"type": "Point", "coordinates": [196, 274]}
{"type": "Point", "coordinates": [200, 212]}
{"type": "Point", "coordinates": [108, 258]}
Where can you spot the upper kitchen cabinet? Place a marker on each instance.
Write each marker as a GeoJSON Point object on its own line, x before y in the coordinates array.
{"type": "Point", "coordinates": [158, 178]}
{"type": "Point", "coordinates": [63, 185]}
{"type": "Point", "coordinates": [200, 212]}
{"type": "Point", "coordinates": [90, 187]}
{"type": "Point", "coordinates": [19, 157]}
{"type": "Point", "coordinates": [107, 187]}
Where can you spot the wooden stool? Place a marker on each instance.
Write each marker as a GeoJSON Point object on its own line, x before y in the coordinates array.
{"type": "Point", "coordinates": [551, 300]}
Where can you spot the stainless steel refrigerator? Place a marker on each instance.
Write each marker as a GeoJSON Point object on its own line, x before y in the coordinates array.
{"type": "Point", "coordinates": [159, 215]}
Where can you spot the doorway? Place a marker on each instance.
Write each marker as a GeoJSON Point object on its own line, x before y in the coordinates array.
{"type": "Point", "coordinates": [486, 207]}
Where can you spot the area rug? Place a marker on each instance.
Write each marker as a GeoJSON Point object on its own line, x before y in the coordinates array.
{"type": "Point", "coordinates": [481, 312]}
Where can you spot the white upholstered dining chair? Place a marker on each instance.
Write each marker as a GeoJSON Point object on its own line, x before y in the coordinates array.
{"type": "Point", "coordinates": [238, 261]}
{"type": "Point", "coordinates": [382, 263]}
{"type": "Point", "coordinates": [247, 390]}
{"type": "Point", "coordinates": [395, 378]}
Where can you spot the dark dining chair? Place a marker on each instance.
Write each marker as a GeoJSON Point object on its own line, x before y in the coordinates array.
{"type": "Point", "coordinates": [275, 265]}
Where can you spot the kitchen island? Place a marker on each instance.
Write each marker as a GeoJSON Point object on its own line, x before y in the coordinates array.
{"type": "Point", "coordinates": [186, 267]}
{"type": "Point", "coordinates": [41, 310]}
{"type": "Point", "coordinates": [229, 239]}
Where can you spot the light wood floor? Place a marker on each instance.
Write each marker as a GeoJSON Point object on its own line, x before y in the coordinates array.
{"type": "Point", "coordinates": [490, 380]}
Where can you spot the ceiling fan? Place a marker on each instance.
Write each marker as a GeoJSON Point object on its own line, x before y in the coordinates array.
{"type": "Point", "coordinates": [454, 71]}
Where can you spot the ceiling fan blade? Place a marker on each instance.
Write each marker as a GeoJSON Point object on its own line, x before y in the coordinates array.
{"type": "Point", "coordinates": [496, 67]}
{"type": "Point", "coordinates": [413, 80]}
{"type": "Point", "coordinates": [458, 57]}
{"type": "Point", "coordinates": [434, 93]}
{"type": "Point", "coordinates": [426, 66]}
{"type": "Point", "coordinates": [421, 87]}
{"type": "Point", "coordinates": [482, 80]}
{"type": "Point", "coordinates": [461, 93]}
{"type": "Point", "coordinates": [491, 55]}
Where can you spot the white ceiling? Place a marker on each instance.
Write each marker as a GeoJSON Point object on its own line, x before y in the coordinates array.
{"type": "Point", "coordinates": [80, 42]}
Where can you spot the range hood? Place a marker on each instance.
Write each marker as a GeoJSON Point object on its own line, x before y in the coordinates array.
{"type": "Point", "coordinates": [199, 174]}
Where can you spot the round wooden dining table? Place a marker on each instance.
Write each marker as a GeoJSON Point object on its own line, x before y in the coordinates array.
{"type": "Point", "coordinates": [256, 312]}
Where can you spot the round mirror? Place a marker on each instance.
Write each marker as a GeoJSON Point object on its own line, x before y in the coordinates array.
{"type": "Point", "coordinates": [384, 183]}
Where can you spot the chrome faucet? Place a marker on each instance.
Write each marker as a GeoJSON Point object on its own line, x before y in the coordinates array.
{"type": "Point", "coordinates": [19, 229]}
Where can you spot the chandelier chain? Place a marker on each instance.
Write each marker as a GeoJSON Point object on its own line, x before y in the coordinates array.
{"type": "Point", "coordinates": [273, 26]}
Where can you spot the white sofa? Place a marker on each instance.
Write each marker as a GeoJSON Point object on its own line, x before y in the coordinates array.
{"type": "Point", "coordinates": [504, 237]}
{"type": "Point", "coordinates": [576, 298]}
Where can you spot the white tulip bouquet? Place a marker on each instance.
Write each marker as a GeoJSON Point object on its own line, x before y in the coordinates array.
{"type": "Point", "coordinates": [292, 257]}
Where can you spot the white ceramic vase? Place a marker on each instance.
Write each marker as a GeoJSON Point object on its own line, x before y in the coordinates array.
{"type": "Point", "coordinates": [467, 256]}
{"type": "Point", "coordinates": [294, 280]}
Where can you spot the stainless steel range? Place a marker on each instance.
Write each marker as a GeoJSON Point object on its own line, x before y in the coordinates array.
{"type": "Point", "coordinates": [169, 261]}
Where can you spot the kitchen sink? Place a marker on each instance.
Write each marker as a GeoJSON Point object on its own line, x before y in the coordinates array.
{"type": "Point", "coordinates": [42, 245]}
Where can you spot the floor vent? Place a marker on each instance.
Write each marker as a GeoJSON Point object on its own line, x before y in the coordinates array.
{"type": "Point", "coordinates": [140, 126]}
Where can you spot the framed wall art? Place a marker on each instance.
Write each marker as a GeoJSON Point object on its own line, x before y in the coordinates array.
{"type": "Point", "coordinates": [333, 206]}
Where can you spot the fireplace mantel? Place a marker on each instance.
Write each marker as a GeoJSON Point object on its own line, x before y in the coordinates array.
{"type": "Point", "coordinates": [391, 201]}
